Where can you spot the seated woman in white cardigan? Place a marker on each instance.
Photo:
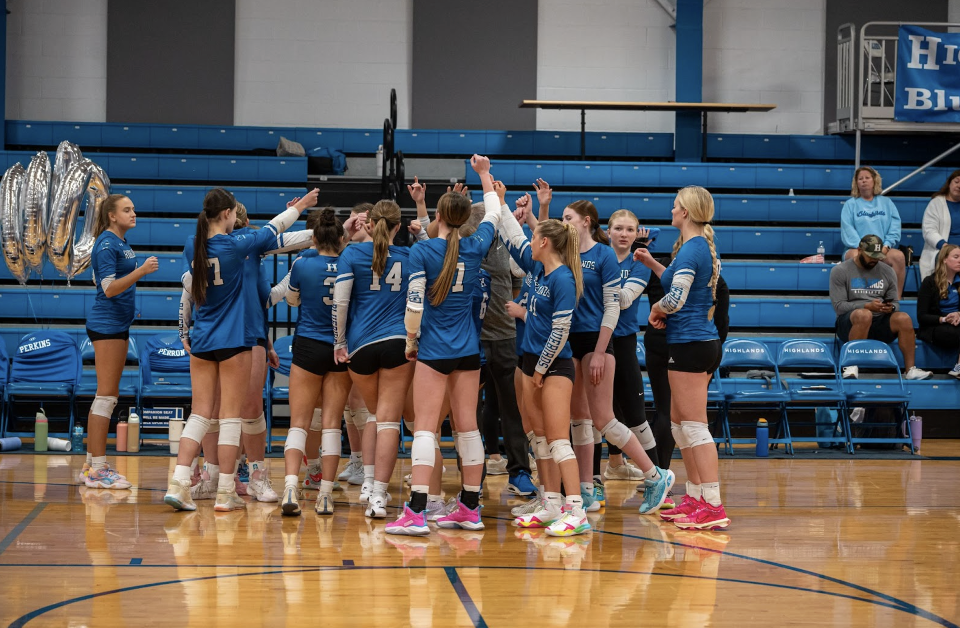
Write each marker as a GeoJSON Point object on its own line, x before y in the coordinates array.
{"type": "Point", "coordinates": [941, 222]}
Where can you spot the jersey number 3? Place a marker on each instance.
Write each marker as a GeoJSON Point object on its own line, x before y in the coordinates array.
{"type": "Point", "coordinates": [394, 278]}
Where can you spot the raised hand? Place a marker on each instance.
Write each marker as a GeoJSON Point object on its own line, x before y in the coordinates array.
{"type": "Point", "coordinates": [501, 191]}
{"type": "Point", "coordinates": [418, 191]}
{"type": "Point", "coordinates": [481, 164]}
{"type": "Point", "coordinates": [544, 191]}
{"type": "Point", "coordinates": [414, 227]}
{"type": "Point", "coordinates": [308, 201]}
{"type": "Point", "coordinates": [524, 203]}
{"type": "Point", "coordinates": [293, 201]}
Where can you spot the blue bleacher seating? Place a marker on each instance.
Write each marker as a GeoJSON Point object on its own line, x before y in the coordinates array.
{"type": "Point", "coordinates": [164, 372]}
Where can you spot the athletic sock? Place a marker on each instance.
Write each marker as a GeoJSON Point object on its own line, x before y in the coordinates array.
{"type": "Point", "coordinates": [98, 462]}
{"type": "Point", "coordinates": [181, 473]}
{"type": "Point", "coordinates": [653, 474]}
{"type": "Point", "coordinates": [694, 490]}
{"type": "Point", "coordinates": [711, 493]}
{"type": "Point", "coordinates": [470, 499]}
{"type": "Point", "coordinates": [418, 501]}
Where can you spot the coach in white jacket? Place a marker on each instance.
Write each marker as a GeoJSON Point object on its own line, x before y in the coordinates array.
{"type": "Point", "coordinates": [941, 222]}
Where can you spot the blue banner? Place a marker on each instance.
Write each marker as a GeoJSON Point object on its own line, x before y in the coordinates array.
{"type": "Point", "coordinates": [928, 76]}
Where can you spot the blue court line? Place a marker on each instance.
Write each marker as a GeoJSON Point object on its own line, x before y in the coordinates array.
{"type": "Point", "coordinates": [472, 611]}
{"type": "Point", "coordinates": [136, 561]}
{"type": "Point", "coordinates": [347, 563]}
{"type": "Point", "coordinates": [13, 534]}
{"type": "Point", "coordinates": [21, 621]}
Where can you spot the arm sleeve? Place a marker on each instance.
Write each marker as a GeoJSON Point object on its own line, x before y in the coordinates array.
{"type": "Point", "coordinates": [187, 281]}
{"type": "Point", "coordinates": [291, 242]}
{"type": "Point", "coordinates": [285, 219]}
{"type": "Point", "coordinates": [560, 326]}
{"type": "Point", "coordinates": [341, 300]}
{"type": "Point", "coordinates": [416, 287]}
{"type": "Point", "coordinates": [611, 291]}
{"type": "Point", "coordinates": [516, 271]}
{"type": "Point", "coordinates": [634, 286]}
{"type": "Point", "coordinates": [512, 236]}
{"type": "Point", "coordinates": [892, 237]}
{"type": "Point", "coordinates": [676, 297]}
{"type": "Point", "coordinates": [293, 292]}
{"type": "Point", "coordinates": [848, 233]}
{"type": "Point", "coordinates": [838, 291]}
{"type": "Point", "coordinates": [185, 314]}
{"type": "Point", "coordinates": [279, 291]}
{"type": "Point", "coordinates": [422, 234]}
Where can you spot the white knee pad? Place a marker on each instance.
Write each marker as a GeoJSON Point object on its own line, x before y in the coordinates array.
{"type": "Point", "coordinates": [230, 430]}
{"type": "Point", "coordinates": [471, 448]}
{"type": "Point", "coordinates": [597, 435]}
{"type": "Point", "coordinates": [582, 433]}
{"type": "Point", "coordinates": [697, 433]}
{"type": "Point", "coordinates": [103, 406]}
{"type": "Point", "coordinates": [561, 450]}
{"type": "Point", "coordinates": [645, 435]}
{"type": "Point", "coordinates": [370, 418]}
{"type": "Point", "coordinates": [316, 423]}
{"type": "Point", "coordinates": [388, 426]}
{"type": "Point", "coordinates": [254, 426]}
{"type": "Point", "coordinates": [616, 433]}
{"type": "Point", "coordinates": [422, 452]}
{"type": "Point", "coordinates": [214, 426]}
{"type": "Point", "coordinates": [542, 450]}
{"type": "Point", "coordinates": [330, 442]}
{"type": "Point", "coordinates": [456, 440]}
{"type": "Point", "coordinates": [196, 428]}
{"type": "Point", "coordinates": [678, 436]}
{"type": "Point", "coordinates": [296, 439]}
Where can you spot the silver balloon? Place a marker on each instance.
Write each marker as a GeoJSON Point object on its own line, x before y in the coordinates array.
{"type": "Point", "coordinates": [68, 154]}
{"type": "Point", "coordinates": [33, 208]}
{"type": "Point", "coordinates": [84, 180]}
{"type": "Point", "coordinates": [11, 225]}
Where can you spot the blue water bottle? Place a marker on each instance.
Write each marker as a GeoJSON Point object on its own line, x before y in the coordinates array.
{"type": "Point", "coordinates": [763, 439]}
{"type": "Point", "coordinates": [76, 439]}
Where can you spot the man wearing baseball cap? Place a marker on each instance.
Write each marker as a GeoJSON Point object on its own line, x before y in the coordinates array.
{"type": "Point", "coordinates": [864, 296]}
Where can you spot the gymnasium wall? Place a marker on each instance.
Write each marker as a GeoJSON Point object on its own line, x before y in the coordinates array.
{"type": "Point", "coordinates": [332, 63]}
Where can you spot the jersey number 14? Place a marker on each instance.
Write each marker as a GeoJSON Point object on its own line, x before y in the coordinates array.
{"type": "Point", "coordinates": [394, 278]}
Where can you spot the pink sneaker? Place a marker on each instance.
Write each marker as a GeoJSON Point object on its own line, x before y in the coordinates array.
{"type": "Point", "coordinates": [706, 517]}
{"type": "Point", "coordinates": [410, 523]}
{"type": "Point", "coordinates": [462, 517]}
{"type": "Point", "coordinates": [687, 507]}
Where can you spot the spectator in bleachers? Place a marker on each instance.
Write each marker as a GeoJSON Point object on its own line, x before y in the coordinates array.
{"type": "Point", "coordinates": [869, 212]}
{"type": "Point", "coordinates": [864, 297]}
{"type": "Point", "coordinates": [938, 304]}
{"type": "Point", "coordinates": [941, 222]}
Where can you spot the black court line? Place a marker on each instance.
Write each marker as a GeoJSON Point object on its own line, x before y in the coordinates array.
{"type": "Point", "coordinates": [22, 620]}
{"type": "Point", "coordinates": [472, 611]}
{"type": "Point", "coordinates": [13, 534]}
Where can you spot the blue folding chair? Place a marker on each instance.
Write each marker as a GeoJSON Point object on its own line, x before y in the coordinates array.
{"type": "Point", "coordinates": [129, 380]}
{"type": "Point", "coordinates": [164, 372]}
{"type": "Point", "coordinates": [826, 392]}
{"type": "Point", "coordinates": [756, 394]}
{"type": "Point", "coordinates": [46, 368]}
{"type": "Point", "coordinates": [4, 376]}
{"type": "Point", "coordinates": [281, 394]}
{"type": "Point", "coordinates": [875, 393]}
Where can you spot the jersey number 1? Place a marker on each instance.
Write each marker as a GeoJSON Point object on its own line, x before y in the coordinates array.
{"type": "Point", "coordinates": [394, 278]}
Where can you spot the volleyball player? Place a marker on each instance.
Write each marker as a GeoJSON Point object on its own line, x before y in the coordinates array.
{"type": "Point", "coordinates": [369, 300]}
{"type": "Point", "coordinates": [446, 270]}
{"type": "Point", "coordinates": [686, 311]}
{"type": "Point", "coordinates": [314, 372]}
{"type": "Point", "coordinates": [219, 343]}
{"type": "Point", "coordinates": [115, 273]}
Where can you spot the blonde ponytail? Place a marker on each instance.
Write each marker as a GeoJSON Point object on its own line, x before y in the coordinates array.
{"type": "Point", "coordinates": [566, 242]}
{"type": "Point", "coordinates": [384, 216]}
{"type": "Point", "coordinates": [715, 274]}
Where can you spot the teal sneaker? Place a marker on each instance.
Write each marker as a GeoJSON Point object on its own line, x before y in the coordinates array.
{"type": "Point", "coordinates": [656, 492]}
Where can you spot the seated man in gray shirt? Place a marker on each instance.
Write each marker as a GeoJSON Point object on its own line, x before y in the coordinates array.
{"type": "Point", "coordinates": [864, 296]}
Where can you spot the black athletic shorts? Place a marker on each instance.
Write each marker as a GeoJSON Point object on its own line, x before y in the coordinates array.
{"type": "Point", "coordinates": [120, 335]}
{"type": "Point", "coordinates": [219, 355]}
{"type": "Point", "coordinates": [385, 354]}
{"type": "Point", "coordinates": [879, 328]}
{"type": "Point", "coordinates": [561, 367]}
{"type": "Point", "coordinates": [315, 356]}
{"type": "Point", "coordinates": [262, 342]}
{"type": "Point", "coordinates": [584, 342]}
{"type": "Point", "coordinates": [695, 357]}
{"type": "Point", "coordinates": [449, 365]}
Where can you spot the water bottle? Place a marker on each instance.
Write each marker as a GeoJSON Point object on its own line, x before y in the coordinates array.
{"type": "Point", "coordinates": [763, 439]}
{"type": "Point", "coordinates": [820, 252]}
{"type": "Point", "coordinates": [76, 438]}
{"type": "Point", "coordinates": [133, 432]}
{"type": "Point", "coordinates": [380, 160]}
{"type": "Point", "coordinates": [40, 430]}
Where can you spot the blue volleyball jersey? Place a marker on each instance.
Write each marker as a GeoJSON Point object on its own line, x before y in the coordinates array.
{"type": "Point", "coordinates": [601, 284]}
{"type": "Point", "coordinates": [552, 300]}
{"type": "Point", "coordinates": [263, 294]}
{"type": "Point", "coordinates": [313, 277]}
{"type": "Point", "coordinates": [522, 297]}
{"type": "Point", "coordinates": [449, 330]}
{"type": "Point", "coordinates": [636, 275]}
{"type": "Point", "coordinates": [377, 304]}
{"type": "Point", "coordinates": [481, 297]}
{"type": "Point", "coordinates": [112, 258]}
{"type": "Point", "coordinates": [690, 323]}
{"type": "Point", "coordinates": [252, 303]}
{"type": "Point", "coordinates": [221, 322]}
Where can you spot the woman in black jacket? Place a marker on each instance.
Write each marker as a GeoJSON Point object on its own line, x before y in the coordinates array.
{"type": "Point", "coordinates": [938, 304]}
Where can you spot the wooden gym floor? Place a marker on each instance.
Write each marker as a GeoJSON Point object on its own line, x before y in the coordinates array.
{"type": "Point", "coordinates": [840, 542]}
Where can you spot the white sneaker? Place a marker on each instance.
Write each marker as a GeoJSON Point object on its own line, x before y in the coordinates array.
{"type": "Point", "coordinates": [178, 495]}
{"type": "Point", "coordinates": [356, 473]}
{"type": "Point", "coordinates": [497, 467]}
{"type": "Point", "coordinates": [324, 505]}
{"type": "Point", "coordinates": [915, 374]}
{"type": "Point", "coordinates": [625, 471]}
{"type": "Point", "coordinates": [262, 489]}
{"type": "Point", "coordinates": [228, 500]}
{"type": "Point", "coordinates": [856, 415]}
{"type": "Point", "coordinates": [290, 506]}
{"type": "Point", "coordinates": [530, 507]}
{"type": "Point", "coordinates": [206, 489]}
{"type": "Point", "coordinates": [955, 371]}
{"type": "Point", "coordinates": [365, 492]}
{"type": "Point", "coordinates": [435, 509]}
{"type": "Point", "coordinates": [851, 372]}
{"type": "Point", "coordinates": [345, 474]}
{"type": "Point", "coordinates": [377, 506]}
